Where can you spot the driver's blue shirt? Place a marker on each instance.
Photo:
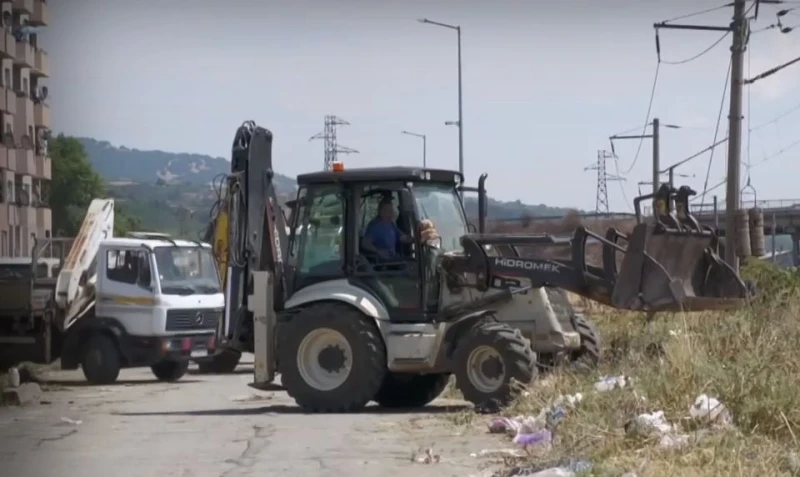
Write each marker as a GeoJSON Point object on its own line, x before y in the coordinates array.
{"type": "Point", "coordinates": [383, 235]}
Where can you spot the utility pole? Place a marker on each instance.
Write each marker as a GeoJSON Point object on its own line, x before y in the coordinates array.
{"type": "Point", "coordinates": [655, 136]}
{"type": "Point", "coordinates": [739, 27]}
{"type": "Point", "coordinates": [740, 33]}
{"type": "Point", "coordinates": [601, 201]}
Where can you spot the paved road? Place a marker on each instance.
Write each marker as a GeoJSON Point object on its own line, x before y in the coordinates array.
{"type": "Point", "coordinates": [216, 426]}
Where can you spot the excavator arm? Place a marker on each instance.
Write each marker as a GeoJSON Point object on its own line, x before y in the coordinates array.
{"type": "Point", "coordinates": [250, 236]}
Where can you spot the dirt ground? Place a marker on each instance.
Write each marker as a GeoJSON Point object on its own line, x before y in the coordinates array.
{"type": "Point", "coordinates": [217, 426]}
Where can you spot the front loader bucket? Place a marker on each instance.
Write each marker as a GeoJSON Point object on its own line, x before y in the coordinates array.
{"type": "Point", "coordinates": [666, 269]}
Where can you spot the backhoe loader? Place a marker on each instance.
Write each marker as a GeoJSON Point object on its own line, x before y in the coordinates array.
{"type": "Point", "coordinates": [344, 326]}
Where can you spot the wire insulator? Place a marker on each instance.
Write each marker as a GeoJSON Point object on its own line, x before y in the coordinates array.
{"type": "Point", "coordinates": [758, 242]}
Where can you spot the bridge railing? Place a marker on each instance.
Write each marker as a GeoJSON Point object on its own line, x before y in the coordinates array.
{"type": "Point", "coordinates": [707, 208]}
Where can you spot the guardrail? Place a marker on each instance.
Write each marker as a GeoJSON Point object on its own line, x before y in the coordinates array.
{"type": "Point", "coordinates": [766, 205]}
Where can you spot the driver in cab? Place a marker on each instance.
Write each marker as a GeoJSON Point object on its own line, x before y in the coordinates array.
{"type": "Point", "coordinates": [382, 235]}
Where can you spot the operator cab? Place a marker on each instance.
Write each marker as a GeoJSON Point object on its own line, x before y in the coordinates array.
{"type": "Point", "coordinates": [344, 221]}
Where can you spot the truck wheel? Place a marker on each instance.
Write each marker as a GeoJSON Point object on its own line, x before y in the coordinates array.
{"type": "Point", "coordinates": [588, 356]}
{"type": "Point", "coordinates": [223, 363]}
{"type": "Point", "coordinates": [410, 390]}
{"type": "Point", "coordinates": [170, 370]}
{"type": "Point", "coordinates": [101, 360]}
{"type": "Point", "coordinates": [331, 358]}
{"type": "Point", "coordinates": [487, 359]}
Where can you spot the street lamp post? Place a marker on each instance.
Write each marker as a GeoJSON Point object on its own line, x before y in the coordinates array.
{"type": "Point", "coordinates": [424, 146]}
{"type": "Point", "coordinates": [460, 122]}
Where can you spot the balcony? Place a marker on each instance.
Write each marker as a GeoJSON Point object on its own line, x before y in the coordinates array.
{"type": "Point", "coordinates": [41, 64]}
{"type": "Point", "coordinates": [8, 159]}
{"type": "Point", "coordinates": [42, 167]}
{"type": "Point", "coordinates": [26, 214]}
{"type": "Point", "coordinates": [24, 55]}
{"type": "Point", "coordinates": [23, 6]}
{"type": "Point", "coordinates": [40, 16]}
{"type": "Point", "coordinates": [8, 101]}
{"type": "Point", "coordinates": [8, 44]}
{"type": "Point", "coordinates": [44, 221]}
{"type": "Point", "coordinates": [41, 115]}
{"type": "Point", "coordinates": [25, 162]}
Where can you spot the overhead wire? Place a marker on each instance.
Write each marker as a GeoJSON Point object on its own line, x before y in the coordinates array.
{"type": "Point", "coordinates": [649, 109]}
{"type": "Point", "coordinates": [702, 53]}
{"type": "Point", "coordinates": [716, 132]}
{"type": "Point", "coordinates": [712, 9]}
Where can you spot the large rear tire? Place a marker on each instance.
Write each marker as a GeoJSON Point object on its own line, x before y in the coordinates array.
{"type": "Point", "coordinates": [410, 390]}
{"type": "Point", "coordinates": [101, 360]}
{"type": "Point", "coordinates": [224, 362]}
{"type": "Point", "coordinates": [588, 356]}
{"type": "Point", "coordinates": [488, 359]}
{"type": "Point", "coordinates": [331, 358]}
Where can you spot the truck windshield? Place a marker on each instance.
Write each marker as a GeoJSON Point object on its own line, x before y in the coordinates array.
{"type": "Point", "coordinates": [440, 204]}
{"type": "Point", "coordinates": [186, 271]}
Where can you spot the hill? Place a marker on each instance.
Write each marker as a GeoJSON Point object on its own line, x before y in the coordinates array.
{"type": "Point", "coordinates": [171, 191]}
{"type": "Point", "coordinates": [123, 164]}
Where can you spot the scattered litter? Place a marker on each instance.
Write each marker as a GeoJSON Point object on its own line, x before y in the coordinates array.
{"type": "Point", "coordinates": [571, 399]}
{"type": "Point", "coordinates": [551, 472]}
{"type": "Point", "coordinates": [519, 424]}
{"type": "Point", "coordinates": [656, 421]}
{"type": "Point", "coordinates": [72, 422]}
{"type": "Point", "coordinates": [793, 462]}
{"type": "Point", "coordinates": [607, 383]}
{"type": "Point", "coordinates": [710, 410]}
{"type": "Point", "coordinates": [677, 441]}
{"type": "Point", "coordinates": [427, 457]}
{"type": "Point", "coordinates": [543, 436]}
{"type": "Point", "coordinates": [655, 424]}
{"type": "Point", "coordinates": [499, 453]}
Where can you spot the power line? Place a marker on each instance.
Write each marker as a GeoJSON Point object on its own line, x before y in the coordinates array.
{"type": "Point", "coordinates": [687, 60]}
{"type": "Point", "coordinates": [647, 117]}
{"type": "Point", "coordinates": [771, 71]}
{"type": "Point", "coordinates": [780, 152]}
{"type": "Point", "coordinates": [694, 156]}
{"type": "Point", "coordinates": [713, 9]}
{"type": "Point", "coordinates": [716, 130]}
{"type": "Point", "coordinates": [778, 117]}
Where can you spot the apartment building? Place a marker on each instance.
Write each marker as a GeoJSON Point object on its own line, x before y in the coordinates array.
{"type": "Point", "coordinates": [25, 167]}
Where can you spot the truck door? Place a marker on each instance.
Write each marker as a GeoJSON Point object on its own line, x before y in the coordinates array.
{"type": "Point", "coordinates": [126, 289]}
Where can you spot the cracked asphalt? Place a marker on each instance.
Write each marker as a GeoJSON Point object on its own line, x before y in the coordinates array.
{"type": "Point", "coordinates": [217, 426]}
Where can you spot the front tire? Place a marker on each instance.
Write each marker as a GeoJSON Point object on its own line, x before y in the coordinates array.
{"type": "Point", "coordinates": [588, 357]}
{"type": "Point", "coordinates": [170, 370]}
{"type": "Point", "coordinates": [487, 359]}
{"type": "Point", "coordinates": [101, 360]}
{"type": "Point", "coordinates": [331, 358]}
{"type": "Point", "coordinates": [410, 390]}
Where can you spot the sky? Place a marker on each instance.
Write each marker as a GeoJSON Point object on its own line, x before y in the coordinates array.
{"type": "Point", "coordinates": [545, 83]}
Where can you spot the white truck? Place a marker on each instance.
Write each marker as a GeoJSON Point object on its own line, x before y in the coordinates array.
{"type": "Point", "coordinates": [141, 300]}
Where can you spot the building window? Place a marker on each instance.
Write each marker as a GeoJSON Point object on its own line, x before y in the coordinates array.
{"type": "Point", "coordinates": [25, 85]}
{"type": "Point", "coordinates": [10, 191]}
{"type": "Point", "coordinates": [7, 78]}
{"type": "Point", "coordinates": [4, 243]}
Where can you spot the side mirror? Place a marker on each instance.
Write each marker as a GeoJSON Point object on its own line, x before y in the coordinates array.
{"type": "Point", "coordinates": [84, 279]}
{"type": "Point", "coordinates": [471, 228]}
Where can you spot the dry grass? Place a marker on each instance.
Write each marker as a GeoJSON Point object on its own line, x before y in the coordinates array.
{"type": "Point", "coordinates": [747, 359]}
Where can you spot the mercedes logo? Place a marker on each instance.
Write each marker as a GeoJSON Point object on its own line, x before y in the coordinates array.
{"type": "Point", "coordinates": [198, 318]}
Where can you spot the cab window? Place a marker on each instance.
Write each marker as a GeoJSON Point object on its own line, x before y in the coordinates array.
{"type": "Point", "coordinates": [320, 231]}
{"type": "Point", "coordinates": [123, 266]}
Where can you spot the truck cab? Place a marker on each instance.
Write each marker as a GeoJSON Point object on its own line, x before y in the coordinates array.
{"type": "Point", "coordinates": [157, 303]}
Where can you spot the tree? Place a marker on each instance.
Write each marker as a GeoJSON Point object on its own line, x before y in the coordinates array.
{"type": "Point", "coordinates": [73, 187]}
